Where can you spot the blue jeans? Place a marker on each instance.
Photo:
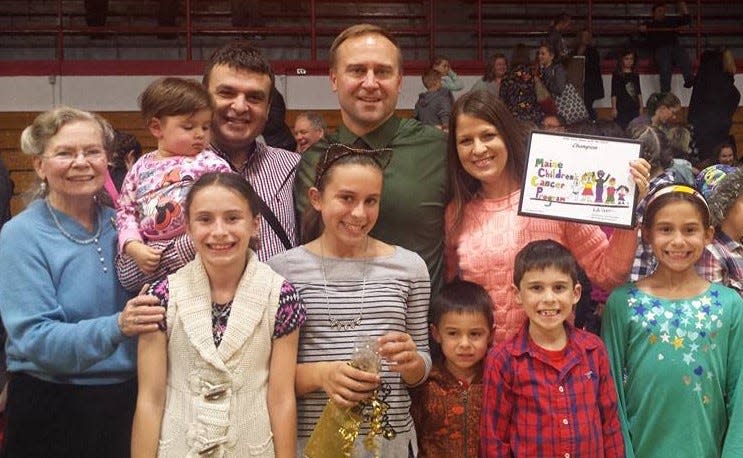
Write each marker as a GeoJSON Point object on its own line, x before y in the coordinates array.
{"type": "Point", "coordinates": [665, 58]}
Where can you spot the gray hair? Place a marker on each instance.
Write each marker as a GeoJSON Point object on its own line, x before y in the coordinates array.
{"type": "Point", "coordinates": [724, 195]}
{"type": "Point", "coordinates": [35, 137]}
{"type": "Point", "coordinates": [316, 121]}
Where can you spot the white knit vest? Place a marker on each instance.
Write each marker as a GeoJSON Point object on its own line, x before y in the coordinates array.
{"type": "Point", "coordinates": [216, 402]}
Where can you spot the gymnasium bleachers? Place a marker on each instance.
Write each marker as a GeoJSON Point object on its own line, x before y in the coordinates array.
{"type": "Point", "coordinates": [39, 36]}
{"type": "Point", "coordinates": [465, 30]}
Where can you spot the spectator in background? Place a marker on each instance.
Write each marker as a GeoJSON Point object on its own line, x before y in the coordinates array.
{"type": "Point", "coordinates": [241, 81]}
{"type": "Point", "coordinates": [679, 138]}
{"type": "Point", "coordinates": [494, 73]}
{"type": "Point", "coordinates": [551, 72]}
{"type": "Point", "coordinates": [626, 98]}
{"type": "Point", "coordinates": [277, 133]}
{"type": "Point", "coordinates": [661, 111]}
{"type": "Point", "coordinates": [727, 153]}
{"type": "Point", "coordinates": [517, 89]}
{"type": "Point", "coordinates": [593, 84]}
{"type": "Point", "coordinates": [449, 79]}
{"type": "Point", "coordinates": [561, 23]}
{"type": "Point", "coordinates": [722, 260]}
{"type": "Point", "coordinates": [714, 100]}
{"type": "Point", "coordinates": [662, 36]}
{"type": "Point", "coordinates": [309, 127]}
{"type": "Point", "coordinates": [434, 106]}
{"type": "Point", "coordinates": [125, 151]}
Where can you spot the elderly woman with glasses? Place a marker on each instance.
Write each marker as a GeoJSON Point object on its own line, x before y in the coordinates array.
{"type": "Point", "coordinates": [70, 324]}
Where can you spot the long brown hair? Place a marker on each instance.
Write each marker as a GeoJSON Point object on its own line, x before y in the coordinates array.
{"type": "Point", "coordinates": [487, 107]}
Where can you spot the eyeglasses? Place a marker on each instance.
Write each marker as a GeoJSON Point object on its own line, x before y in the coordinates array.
{"type": "Point", "coordinates": [337, 151]}
{"type": "Point", "coordinates": [66, 155]}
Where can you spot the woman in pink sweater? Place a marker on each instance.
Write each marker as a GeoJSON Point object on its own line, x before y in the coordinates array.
{"type": "Point", "coordinates": [486, 160]}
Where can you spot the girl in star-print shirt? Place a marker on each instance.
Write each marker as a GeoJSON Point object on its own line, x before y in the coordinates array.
{"type": "Point", "coordinates": [675, 340]}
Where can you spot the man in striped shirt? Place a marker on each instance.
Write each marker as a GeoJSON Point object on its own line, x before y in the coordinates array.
{"type": "Point", "coordinates": [240, 80]}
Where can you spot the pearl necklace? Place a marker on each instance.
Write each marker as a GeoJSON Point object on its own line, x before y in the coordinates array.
{"type": "Point", "coordinates": [335, 323]}
{"type": "Point", "coordinates": [95, 239]}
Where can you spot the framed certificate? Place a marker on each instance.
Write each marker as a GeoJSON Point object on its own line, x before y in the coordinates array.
{"type": "Point", "coordinates": [580, 178]}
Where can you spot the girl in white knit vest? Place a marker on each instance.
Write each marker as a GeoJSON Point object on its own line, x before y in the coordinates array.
{"type": "Point", "coordinates": [219, 379]}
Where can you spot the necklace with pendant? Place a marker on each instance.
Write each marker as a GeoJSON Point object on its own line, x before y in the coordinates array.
{"type": "Point", "coordinates": [344, 325]}
{"type": "Point", "coordinates": [95, 239]}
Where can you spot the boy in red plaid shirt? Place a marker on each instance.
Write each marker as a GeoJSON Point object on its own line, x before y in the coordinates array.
{"type": "Point", "coordinates": [548, 390]}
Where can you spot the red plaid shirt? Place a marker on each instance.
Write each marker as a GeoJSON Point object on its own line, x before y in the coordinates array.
{"type": "Point", "coordinates": [533, 409]}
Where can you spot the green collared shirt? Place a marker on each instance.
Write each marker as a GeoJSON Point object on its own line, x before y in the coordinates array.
{"type": "Point", "coordinates": [415, 190]}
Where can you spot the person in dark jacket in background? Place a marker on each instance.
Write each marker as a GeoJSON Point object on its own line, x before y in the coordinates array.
{"type": "Point", "coordinates": [593, 85]}
{"type": "Point", "coordinates": [662, 36]}
{"type": "Point", "coordinates": [713, 101]}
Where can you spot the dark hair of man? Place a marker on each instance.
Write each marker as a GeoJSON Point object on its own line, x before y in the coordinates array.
{"type": "Point", "coordinates": [541, 255]}
{"type": "Point", "coordinates": [487, 107]}
{"type": "Point", "coordinates": [242, 56]}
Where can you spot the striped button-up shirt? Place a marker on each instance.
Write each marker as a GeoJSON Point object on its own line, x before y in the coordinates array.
{"type": "Point", "coordinates": [645, 262]}
{"type": "Point", "coordinates": [722, 262]}
{"type": "Point", "coordinates": [535, 407]}
{"type": "Point", "coordinates": [271, 173]}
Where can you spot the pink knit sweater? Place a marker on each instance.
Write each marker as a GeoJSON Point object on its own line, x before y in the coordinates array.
{"type": "Point", "coordinates": [492, 233]}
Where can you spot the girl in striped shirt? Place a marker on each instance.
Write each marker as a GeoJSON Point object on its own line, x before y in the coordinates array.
{"type": "Point", "coordinates": [355, 285]}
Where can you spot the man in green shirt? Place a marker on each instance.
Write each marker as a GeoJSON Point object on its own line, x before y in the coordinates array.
{"type": "Point", "coordinates": [366, 73]}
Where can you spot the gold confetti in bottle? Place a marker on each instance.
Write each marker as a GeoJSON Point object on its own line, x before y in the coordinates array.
{"type": "Point", "coordinates": [338, 427]}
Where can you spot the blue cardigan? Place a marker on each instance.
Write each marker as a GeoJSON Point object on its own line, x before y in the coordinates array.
{"type": "Point", "coordinates": [59, 307]}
